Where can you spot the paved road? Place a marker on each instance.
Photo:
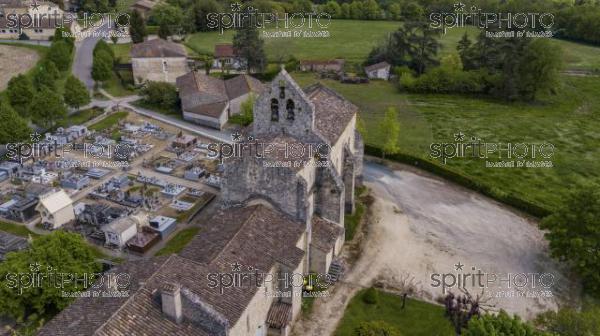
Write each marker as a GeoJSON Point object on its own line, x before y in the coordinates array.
{"type": "Point", "coordinates": [82, 64]}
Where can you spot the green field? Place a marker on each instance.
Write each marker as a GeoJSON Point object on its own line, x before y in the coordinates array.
{"type": "Point", "coordinates": [79, 117]}
{"type": "Point", "coordinates": [570, 120]}
{"type": "Point", "coordinates": [349, 39]}
{"type": "Point", "coordinates": [17, 230]}
{"type": "Point", "coordinates": [353, 39]}
{"type": "Point", "coordinates": [179, 241]}
{"type": "Point", "coordinates": [416, 319]}
{"type": "Point", "coordinates": [121, 52]}
{"type": "Point", "coordinates": [108, 122]}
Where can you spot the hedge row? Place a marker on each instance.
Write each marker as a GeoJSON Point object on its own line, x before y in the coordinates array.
{"type": "Point", "coordinates": [510, 199]}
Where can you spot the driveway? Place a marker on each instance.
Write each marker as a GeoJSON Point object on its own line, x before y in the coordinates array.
{"type": "Point", "coordinates": [422, 226]}
{"type": "Point", "coordinates": [82, 64]}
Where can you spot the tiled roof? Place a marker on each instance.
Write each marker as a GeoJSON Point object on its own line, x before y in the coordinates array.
{"type": "Point", "coordinates": [377, 66]}
{"type": "Point", "coordinates": [243, 84]}
{"type": "Point", "coordinates": [10, 243]}
{"type": "Point", "coordinates": [224, 50]}
{"type": "Point", "coordinates": [332, 111]}
{"type": "Point", "coordinates": [325, 233]}
{"type": "Point", "coordinates": [280, 315]}
{"type": "Point", "coordinates": [253, 236]}
{"type": "Point", "coordinates": [157, 48]}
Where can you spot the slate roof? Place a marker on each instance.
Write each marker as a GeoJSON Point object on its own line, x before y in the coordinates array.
{"type": "Point", "coordinates": [325, 233]}
{"type": "Point", "coordinates": [333, 112]}
{"type": "Point", "coordinates": [157, 48]}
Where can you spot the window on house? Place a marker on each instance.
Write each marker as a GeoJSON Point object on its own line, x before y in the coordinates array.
{"type": "Point", "coordinates": [282, 92]}
{"type": "Point", "coordinates": [164, 65]}
{"type": "Point", "coordinates": [274, 110]}
{"type": "Point", "coordinates": [289, 107]}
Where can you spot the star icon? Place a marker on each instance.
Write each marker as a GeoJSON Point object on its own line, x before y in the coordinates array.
{"type": "Point", "coordinates": [35, 267]}
{"type": "Point", "coordinates": [459, 266]}
{"type": "Point", "coordinates": [236, 136]}
{"type": "Point", "coordinates": [459, 7]}
{"type": "Point", "coordinates": [236, 267]}
{"type": "Point", "coordinates": [35, 137]}
{"type": "Point", "coordinates": [35, 5]}
{"type": "Point", "coordinates": [236, 6]}
{"type": "Point", "coordinates": [460, 136]}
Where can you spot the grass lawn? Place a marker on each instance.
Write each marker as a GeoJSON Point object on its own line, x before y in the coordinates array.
{"type": "Point", "coordinates": [172, 112]}
{"type": "Point", "coordinates": [79, 117]}
{"type": "Point", "coordinates": [17, 230]}
{"type": "Point", "coordinates": [115, 87]}
{"type": "Point", "coordinates": [179, 241]}
{"type": "Point", "coordinates": [121, 52]}
{"type": "Point", "coordinates": [109, 121]}
{"type": "Point", "coordinates": [416, 319]}
{"type": "Point", "coordinates": [353, 41]}
{"type": "Point", "coordinates": [570, 120]}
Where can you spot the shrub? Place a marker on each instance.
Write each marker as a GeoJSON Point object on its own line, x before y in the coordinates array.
{"type": "Point", "coordinates": [371, 296]}
{"type": "Point", "coordinates": [376, 328]}
{"type": "Point", "coordinates": [161, 94]}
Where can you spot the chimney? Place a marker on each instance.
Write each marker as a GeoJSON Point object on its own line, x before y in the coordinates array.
{"type": "Point", "coordinates": [171, 301]}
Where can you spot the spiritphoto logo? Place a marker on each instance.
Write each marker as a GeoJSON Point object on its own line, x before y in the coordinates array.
{"type": "Point", "coordinates": [242, 16]}
{"type": "Point", "coordinates": [273, 153]}
{"type": "Point", "coordinates": [40, 276]}
{"type": "Point", "coordinates": [531, 24]}
{"type": "Point", "coordinates": [284, 284]}
{"type": "Point", "coordinates": [521, 154]}
{"type": "Point", "coordinates": [499, 285]}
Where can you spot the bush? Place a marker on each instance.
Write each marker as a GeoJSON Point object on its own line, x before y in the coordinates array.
{"type": "Point", "coordinates": [160, 94]}
{"type": "Point", "coordinates": [444, 80]}
{"type": "Point", "coordinates": [376, 328]}
{"type": "Point", "coordinates": [371, 296]}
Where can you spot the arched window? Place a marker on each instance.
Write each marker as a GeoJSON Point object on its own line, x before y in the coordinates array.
{"type": "Point", "coordinates": [274, 110]}
{"type": "Point", "coordinates": [289, 107]}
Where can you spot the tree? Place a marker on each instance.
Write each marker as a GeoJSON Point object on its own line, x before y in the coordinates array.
{"type": "Point", "coordinates": [47, 107]}
{"type": "Point", "coordinates": [538, 68]}
{"type": "Point", "coordinates": [60, 54]}
{"type": "Point", "coordinates": [169, 18]}
{"type": "Point", "coordinates": [45, 75]}
{"type": "Point", "coordinates": [390, 130]}
{"type": "Point", "coordinates": [75, 94]}
{"type": "Point", "coordinates": [161, 94]}
{"type": "Point", "coordinates": [499, 324]}
{"type": "Point", "coordinates": [371, 296]}
{"type": "Point", "coordinates": [20, 92]}
{"type": "Point", "coordinates": [13, 128]}
{"type": "Point", "coordinates": [464, 51]}
{"type": "Point", "coordinates": [57, 253]}
{"type": "Point", "coordinates": [376, 328]}
{"type": "Point", "coordinates": [103, 46]}
{"type": "Point", "coordinates": [333, 9]}
{"type": "Point", "coordinates": [201, 9]}
{"type": "Point", "coordinates": [64, 34]}
{"type": "Point", "coordinates": [571, 322]}
{"type": "Point", "coordinates": [425, 46]}
{"type": "Point", "coordinates": [137, 27]}
{"type": "Point", "coordinates": [574, 233]}
{"type": "Point", "coordinates": [250, 47]}
{"type": "Point", "coordinates": [102, 66]}
{"type": "Point", "coordinates": [246, 116]}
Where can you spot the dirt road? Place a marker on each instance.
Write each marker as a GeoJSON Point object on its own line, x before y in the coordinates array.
{"type": "Point", "coordinates": [424, 226]}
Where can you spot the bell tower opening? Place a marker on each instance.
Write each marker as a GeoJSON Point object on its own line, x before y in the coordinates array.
{"type": "Point", "coordinates": [274, 110]}
{"type": "Point", "coordinates": [289, 106]}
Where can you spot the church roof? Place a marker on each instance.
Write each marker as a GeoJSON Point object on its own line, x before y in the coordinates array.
{"type": "Point", "coordinates": [157, 48]}
{"type": "Point", "coordinates": [333, 112]}
{"type": "Point", "coordinates": [254, 236]}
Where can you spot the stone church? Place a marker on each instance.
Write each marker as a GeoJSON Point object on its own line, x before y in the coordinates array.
{"type": "Point", "coordinates": [282, 216]}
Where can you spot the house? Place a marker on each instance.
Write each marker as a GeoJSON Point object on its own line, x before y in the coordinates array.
{"type": "Point", "coordinates": [120, 231]}
{"type": "Point", "coordinates": [144, 7]}
{"type": "Point", "coordinates": [210, 101]}
{"type": "Point", "coordinates": [163, 225]}
{"type": "Point", "coordinates": [158, 60]}
{"type": "Point", "coordinates": [225, 58]}
{"type": "Point", "coordinates": [271, 219]}
{"type": "Point", "coordinates": [56, 209]}
{"type": "Point", "coordinates": [11, 243]}
{"type": "Point", "coordinates": [335, 65]}
{"type": "Point", "coordinates": [379, 70]}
